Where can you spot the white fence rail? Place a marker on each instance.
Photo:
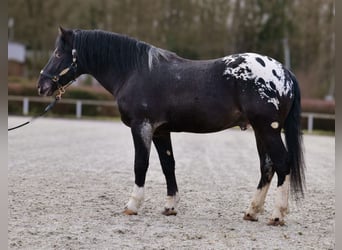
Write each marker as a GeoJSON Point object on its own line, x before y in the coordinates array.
{"type": "Point", "coordinates": [312, 116]}
{"type": "Point", "coordinates": [79, 103]}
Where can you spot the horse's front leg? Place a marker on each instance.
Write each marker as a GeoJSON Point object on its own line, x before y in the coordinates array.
{"type": "Point", "coordinates": [142, 133]}
{"type": "Point", "coordinates": [163, 145]}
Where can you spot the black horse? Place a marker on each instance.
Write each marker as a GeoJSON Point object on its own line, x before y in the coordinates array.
{"type": "Point", "coordinates": [159, 92]}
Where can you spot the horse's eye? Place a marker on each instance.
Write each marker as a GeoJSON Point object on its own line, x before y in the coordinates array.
{"type": "Point", "coordinates": [57, 54]}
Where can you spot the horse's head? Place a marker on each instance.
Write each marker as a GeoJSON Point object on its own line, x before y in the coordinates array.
{"type": "Point", "coordinates": [61, 68]}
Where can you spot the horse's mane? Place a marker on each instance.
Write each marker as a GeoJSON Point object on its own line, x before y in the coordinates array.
{"type": "Point", "coordinates": [98, 49]}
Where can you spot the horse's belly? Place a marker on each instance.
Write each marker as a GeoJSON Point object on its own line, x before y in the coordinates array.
{"type": "Point", "coordinates": [204, 122]}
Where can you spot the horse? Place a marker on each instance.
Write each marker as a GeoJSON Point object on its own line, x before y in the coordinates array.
{"type": "Point", "coordinates": [159, 92]}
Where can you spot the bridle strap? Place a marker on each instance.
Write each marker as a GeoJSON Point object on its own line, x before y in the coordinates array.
{"type": "Point", "coordinates": [55, 78]}
{"type": "Point", "coordinates": [61, 88]}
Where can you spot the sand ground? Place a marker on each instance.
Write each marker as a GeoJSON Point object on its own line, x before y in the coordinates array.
{"type": "Point", "coordinates": [70, 179]}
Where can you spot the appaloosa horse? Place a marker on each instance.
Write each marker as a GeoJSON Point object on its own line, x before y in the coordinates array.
{"type": "Point", "coordinates": [159, 92]}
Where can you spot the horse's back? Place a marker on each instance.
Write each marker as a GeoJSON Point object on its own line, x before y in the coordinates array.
{"type": "Point", "coordinates": [210, 95]}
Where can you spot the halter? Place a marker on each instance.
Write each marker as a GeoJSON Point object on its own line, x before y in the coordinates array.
{"type": "Point", "coordinates": [61, 88]}
{"type": "Point", "coordinates": [55, 78]}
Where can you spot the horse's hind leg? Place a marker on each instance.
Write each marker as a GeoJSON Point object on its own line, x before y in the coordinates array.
{"type": "Point", "coordinates": [267, 172]}
{"type": "Point", "coordinates": [275, 148]}
{"type": "Point", "coordinates": [142, 136]}
{"type": "Point", "coordinates": [163, 145]}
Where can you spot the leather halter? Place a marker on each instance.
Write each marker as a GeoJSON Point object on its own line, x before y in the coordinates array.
{"type": "Point", "coordinates": [61, 88]}
{"type": "Point", "coordinates": [55, 78]}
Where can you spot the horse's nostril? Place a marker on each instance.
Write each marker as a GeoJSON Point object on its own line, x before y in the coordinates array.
{"type": "Point", "coordinates": [40, 90]}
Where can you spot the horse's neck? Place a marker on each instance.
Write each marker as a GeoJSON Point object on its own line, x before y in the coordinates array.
{"type": "Point", "coordinates": [109, 66]}
{"type": "Point", "coordinates": [110, 82]}
{"type": "Point", "coordinates": [109, 77]}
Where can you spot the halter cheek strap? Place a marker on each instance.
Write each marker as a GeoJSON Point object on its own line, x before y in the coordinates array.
{"type": "Point", "coordinates": [55, 78]}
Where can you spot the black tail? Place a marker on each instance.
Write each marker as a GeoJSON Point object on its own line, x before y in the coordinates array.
{"type": "Point", "coordinates": [293, 137]}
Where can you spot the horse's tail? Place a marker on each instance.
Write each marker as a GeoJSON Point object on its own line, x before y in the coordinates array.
{"type": "Point", "coordinates": [294, 143]}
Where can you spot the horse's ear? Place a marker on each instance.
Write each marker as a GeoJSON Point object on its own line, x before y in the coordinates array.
{"type": "Point", "coordinates": [61, 30]}
{"type": "Point", "coordinates": [66, 35]}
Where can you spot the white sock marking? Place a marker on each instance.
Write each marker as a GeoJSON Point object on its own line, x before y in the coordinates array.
{"type": "Point", "coordinates": [172, 201]}
{"type": "Point", "coordinates": [136, 199]}
{"type": "Point", "coordinates": [281, 200]}
{"type": "Point", "coordinates": [257, 204]}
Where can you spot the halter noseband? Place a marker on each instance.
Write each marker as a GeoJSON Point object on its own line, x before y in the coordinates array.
{"type": "Point", "coordinates": [55, 78]}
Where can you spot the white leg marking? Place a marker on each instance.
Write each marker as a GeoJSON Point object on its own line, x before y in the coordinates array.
{"type": "Point", "coordinates": [136, 198]}
{"type": "Point", "coordinates": [281, 200]}
{"type": "Point", "coordinates": [172, 201]}
{"type": "Point", "coordinates": [168, 152]}
{"type": "Point", "coordinates": [171, 204]}
{"type": "Point", "coordinates": [257, 204]}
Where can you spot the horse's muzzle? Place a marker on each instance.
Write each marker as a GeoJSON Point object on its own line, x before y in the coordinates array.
{"type": "Point", "coordinates": [45, 88]}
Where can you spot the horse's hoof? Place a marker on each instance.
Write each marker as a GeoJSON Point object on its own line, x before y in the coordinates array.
{"type": "Point", "coordinates": [276, 222]}
{"type": "Point", "coordinates": [129, 212]}
{"type": "Point", "coordinates": [169, 211]}
{"type": "Point", "coordinates": [250, 217]}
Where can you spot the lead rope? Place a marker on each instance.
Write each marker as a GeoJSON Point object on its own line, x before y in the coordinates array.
{"type": "Point", "coordinates": [58, 97]}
